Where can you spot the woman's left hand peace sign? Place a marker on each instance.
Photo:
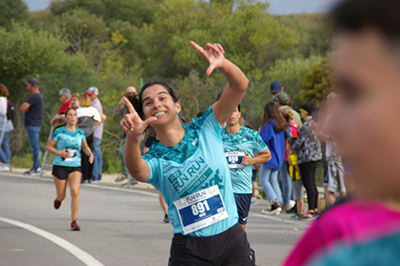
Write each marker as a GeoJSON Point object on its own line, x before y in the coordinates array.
{"type": "Point", "coordinates": [214, 53]}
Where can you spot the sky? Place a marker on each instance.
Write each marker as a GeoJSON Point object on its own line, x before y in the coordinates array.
{"type": "Point", "coordinates": [281, 7]}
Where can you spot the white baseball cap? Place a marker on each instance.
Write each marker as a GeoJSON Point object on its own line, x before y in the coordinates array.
{"type": "Point", "coordinates": [93, 90]}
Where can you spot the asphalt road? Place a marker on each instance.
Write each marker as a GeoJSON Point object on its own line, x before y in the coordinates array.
{"type": "Point", "coordinates": [119, 227]}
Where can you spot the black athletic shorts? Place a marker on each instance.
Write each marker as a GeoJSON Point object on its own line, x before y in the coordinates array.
{"type": "Point", "coordinates": [62, 172]}
{"type": "Point", "coordinates": [243, 202]}
{"type": "Point", "coordinates": [228, 248]}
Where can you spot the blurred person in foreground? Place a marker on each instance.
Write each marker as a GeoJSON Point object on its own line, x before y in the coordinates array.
{"type": "Point", "coordinates": [366, 229]}
{"type": "Point", "coordinates": [66, 100]}
{"type": "Point", "coordinates": [333, 168]}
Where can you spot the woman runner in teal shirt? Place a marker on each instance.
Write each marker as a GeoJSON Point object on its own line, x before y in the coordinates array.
{"type": "Point", "coordinates": [66, 143]}
{"type": "Point", "coordinates": [187, 164]}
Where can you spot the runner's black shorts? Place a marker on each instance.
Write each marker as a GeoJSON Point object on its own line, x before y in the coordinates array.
{"type": "Point", "coordinates": [228, 248]}
{"type": "Point", "coordinates": [62, 172]}
{"type": "Point", "coordinates": [243, 202]}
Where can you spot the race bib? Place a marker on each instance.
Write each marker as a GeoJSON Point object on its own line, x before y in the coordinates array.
{"type": "Point", "coordinates": [73, 155]}
{"type": "Point", "coordinates": [235, 159]}
{"type": "Point", "coordinates": [201, 209]}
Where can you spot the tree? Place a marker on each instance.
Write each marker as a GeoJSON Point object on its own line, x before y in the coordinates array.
{"type": "Point", "coordinates": [316, 85]}
{"type": "Point", "coordinates": [136, 12]}
{"type": "Point", "coordinates": [292, 72]}
{"type": "Point", "coordinates": [12, 10]}
{"type": "Point", "coordinates": [27, 53]}
{"type": "Point", "coordinates": [252, 38]}
{"type": "Point", "coordinates": [315, 32]}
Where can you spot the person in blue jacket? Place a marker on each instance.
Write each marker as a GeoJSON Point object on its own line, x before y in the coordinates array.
{"type": "Point", "coordinates": [188, 166]}
{"type": "Point", "coordinates": [272, 132]}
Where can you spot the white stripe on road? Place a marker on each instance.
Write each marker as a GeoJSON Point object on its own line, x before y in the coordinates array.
{"type": "Point", "coordinates": [126, 190]}
{"type": "Point", "coordinates": [154, 194]}
{"type": "Point", "coordinates": [299, 223]}
{"type": "Point", "coordinates": [74, 250]}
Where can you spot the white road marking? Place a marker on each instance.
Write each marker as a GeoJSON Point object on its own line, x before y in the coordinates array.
{"type": "Point", "coordinates": [154, 194]}
{"type": "Point", "coordinates": [83, 256]}
{"type": "Point", "coordinates": [299, 223]}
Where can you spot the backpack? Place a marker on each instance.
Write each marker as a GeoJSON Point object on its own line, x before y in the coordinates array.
{"type": "Point", "coordinates": [10, 109]}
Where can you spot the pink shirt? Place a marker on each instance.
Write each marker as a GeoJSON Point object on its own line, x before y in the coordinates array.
{"type": "Point", "coordinates": [353, 222]}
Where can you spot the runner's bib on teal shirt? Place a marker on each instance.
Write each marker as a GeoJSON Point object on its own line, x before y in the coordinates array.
{"type": "Point", "coordinates": [70, 141]}
{"type": "Point", "coordinates": [236, 146]}
{"type": "Point", "coordinates": [193, 177]}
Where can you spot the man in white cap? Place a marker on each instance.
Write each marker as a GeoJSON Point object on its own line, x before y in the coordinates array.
{"type": "Point", "coordinates": [93, 93]}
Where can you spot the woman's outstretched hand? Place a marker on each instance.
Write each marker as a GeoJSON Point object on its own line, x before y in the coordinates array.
{"type": "Point", "coordinates": [132, 124]}
{"type": "Point", "coordinates": [214, 53]}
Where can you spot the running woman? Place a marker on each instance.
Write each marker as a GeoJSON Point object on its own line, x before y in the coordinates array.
{"type": "Point", "coordinates": [187, 164]}
{"type": "Point", "coordinates": [66, 143]}
{"type": "Point", "coordinates": [240, 145]}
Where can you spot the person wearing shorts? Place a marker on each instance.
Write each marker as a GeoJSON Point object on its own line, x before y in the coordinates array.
{"type": "Point", "coordinates": [66, 143]}
{"type": "Point", "coordinates": [187, 165]}
{"type": "Point", "coordinates": [240, 144]}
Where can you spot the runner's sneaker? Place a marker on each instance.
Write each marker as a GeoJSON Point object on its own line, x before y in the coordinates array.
{"type": "Point", "coordinates": [253, 201]}
{"type": "Point", "coordinates": [292, 210]}
{"type": "Point", "coordinates": [295, 217]}
{"type": "Point", "coordinates": [166, 219]}
{"type": "Point", "coordinates": [33, 171]}
{"type": "Point", "coordinates": [308, 216]}
{"type": "Point", "coordinates": [57, 204]}
{"type": "Point", "coordinates": [75, 226]}
{"type": "Point", "coordinates": [4, 168]}
{"type": "Point", "coordinates": [275, 210]}
{"type": "Point", "coordinates": [120, 178]}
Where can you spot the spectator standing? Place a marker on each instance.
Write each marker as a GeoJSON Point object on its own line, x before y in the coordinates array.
{"type": "Point", "coordinates": [88, 119]}
{"type": "Point", "coordinates": [5, 154]}
{"type": "Point", "coordinates": [122, 110]}
{"type": "Point", "coordinates": [297, 183]}
{"type": "Point", "coordinates": [66, 100]}
{"type": "Point", "coordinates": [308, 148]}
{"type": "Point", "coordinates": [283, 99]}
{"type": "Point", "coordinates": [93, 93]}
{"type": "Point", "coordinates": [33, 110]}
{"type": "Point", "coordinates": [276, 88]}
{"type": "Point", "coordinates": [273, 135]}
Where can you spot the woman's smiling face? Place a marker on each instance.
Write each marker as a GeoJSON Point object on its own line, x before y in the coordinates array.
{"type": "Point", "coordinates": [158, 102]}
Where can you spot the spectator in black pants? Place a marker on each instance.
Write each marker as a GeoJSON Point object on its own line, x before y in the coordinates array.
{"type": "Point", "coordinates": [88, 119]}
{"type": "Point", "coordinates": [308, 148]}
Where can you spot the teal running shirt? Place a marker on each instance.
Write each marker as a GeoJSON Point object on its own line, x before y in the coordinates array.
{"type": "Point", "coordinates": [235, 147]}
{"type": "Point", "coordinates": [193, 177]}
{"type": "Point", "coordinates": [70, 141]}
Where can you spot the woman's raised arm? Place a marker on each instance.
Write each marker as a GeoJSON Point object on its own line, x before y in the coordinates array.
{"type": "Point", "coordinates": [234, 92]}
{"type": "Point", "coordinates": [134, 126]}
